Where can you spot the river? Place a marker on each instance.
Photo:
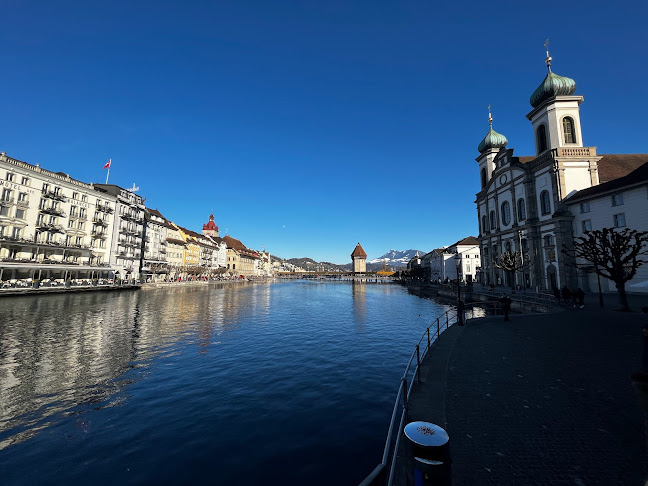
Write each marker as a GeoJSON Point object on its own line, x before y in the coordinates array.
{"type": "Point", "coordinates": [288, 383]}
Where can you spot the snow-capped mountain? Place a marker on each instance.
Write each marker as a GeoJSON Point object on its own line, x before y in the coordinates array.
{"type": "Point", "coordinates": [395, 258]}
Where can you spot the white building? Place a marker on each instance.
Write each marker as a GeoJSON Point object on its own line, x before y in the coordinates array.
{"type": "Point", "coordinates": [464, 260]}
{"type": "Point", "coordinates": [154, 262]}
{"type": "Point", "coordinates": [620, 203]}
{"type": "Point", "coordinates": [127, 232]}
{"type": "Point", "coordinates": [521, 204]}
{"type": "Point", "coordinates": [51, 225]}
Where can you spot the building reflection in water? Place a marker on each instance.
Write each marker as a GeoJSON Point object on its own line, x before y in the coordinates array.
{"type": "Point", "coordinates": [61, 351]}
{"type": "Point", "coordinates": [359, 294]}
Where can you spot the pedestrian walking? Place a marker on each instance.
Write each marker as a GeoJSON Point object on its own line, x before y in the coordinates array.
{"type": "Point", "coordinates": [506, 306]}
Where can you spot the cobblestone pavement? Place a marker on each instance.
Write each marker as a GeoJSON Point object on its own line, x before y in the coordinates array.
{"type": "Point", "coordinates": [547, 399]}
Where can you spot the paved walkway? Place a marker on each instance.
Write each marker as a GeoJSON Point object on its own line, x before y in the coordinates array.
{"type": "Point", "coordinates": [547, 399]}
{"type": "Point", "coordinates": [542, 399]}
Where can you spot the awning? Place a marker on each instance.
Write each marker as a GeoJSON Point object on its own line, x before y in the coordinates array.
{"type": "Point", "coordinates": [36, 266]}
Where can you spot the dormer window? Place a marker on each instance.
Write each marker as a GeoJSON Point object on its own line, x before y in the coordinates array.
{"type": "Point", "coordinates": [541, 136]}
{"type": "Point", "coordinates": [568, 130]}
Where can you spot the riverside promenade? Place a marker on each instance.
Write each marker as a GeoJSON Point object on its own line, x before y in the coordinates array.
{"type": "Point", "coordinates": [541, 399]}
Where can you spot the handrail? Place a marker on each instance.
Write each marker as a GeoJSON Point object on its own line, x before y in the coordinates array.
{"type": "Point", "coordinates": [430, 335]}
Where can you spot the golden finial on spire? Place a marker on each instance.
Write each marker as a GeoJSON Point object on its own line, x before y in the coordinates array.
{"type": "Point", "coordinates": [490, 117]}
{"type": "Point", "coordinates": [548, 60]}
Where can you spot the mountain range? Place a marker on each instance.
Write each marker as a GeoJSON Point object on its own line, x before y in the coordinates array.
{"type": "Point", "coordinates": [393, 259]}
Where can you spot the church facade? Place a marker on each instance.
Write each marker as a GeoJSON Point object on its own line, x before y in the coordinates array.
{"type": "Point", "coordinates": [522, 201]}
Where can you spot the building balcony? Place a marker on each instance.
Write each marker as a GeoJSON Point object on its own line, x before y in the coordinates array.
{"type": "Point", "coordinates": [105, 208]}
{"type": "Point", "coordinates": [17, 239]}
{"type": "Point", "coordinates": [52, 228]}
{"type": "Point", "coordinates": [100, 221]}
{"type": "Point", "coordinates": [7, 200]}
{"type": "Point", "coordinates": [54, 211]}
{"type": "Point", "coordinates": [53, 195]}
{"type": "Point", "coordinates": [98, 234]}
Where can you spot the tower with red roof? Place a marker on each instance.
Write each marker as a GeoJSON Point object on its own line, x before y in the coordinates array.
{"type": "Point", "coordinates": [359, 259]}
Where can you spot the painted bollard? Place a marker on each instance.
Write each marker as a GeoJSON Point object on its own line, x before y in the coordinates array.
{"type": "Point", "coordinates": [431, 451]}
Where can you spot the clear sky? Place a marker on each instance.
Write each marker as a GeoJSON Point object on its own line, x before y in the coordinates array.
{"type": "Point", "coordinates": [307, 126]}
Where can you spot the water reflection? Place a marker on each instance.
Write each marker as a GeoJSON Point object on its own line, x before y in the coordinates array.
{"type": "Point", "coordinates": [60, 351]}
{"type": "Point", "coordinates": [163, 381]}
{"type": "Point", "coordinates": [359, 294]}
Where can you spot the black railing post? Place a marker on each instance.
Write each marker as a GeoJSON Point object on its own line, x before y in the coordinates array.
{"type": "Point", "coordinates": [418, 364]}
{"type": "Point", "coordinates": [405, 405]}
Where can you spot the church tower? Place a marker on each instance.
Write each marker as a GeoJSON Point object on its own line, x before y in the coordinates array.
{"type": "Point", "coordinates": [488, 148]}
{"type": "Point", "coordinates": [359, 259]}
{"type": "Point", "coordinates": [557, 134]}
{"type": "Point", "coordinates": [556, 114]}
{"type": "Point", "coordinates": [210, 228]}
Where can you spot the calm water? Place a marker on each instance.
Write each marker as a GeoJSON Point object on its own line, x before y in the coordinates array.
{"type": "Point", "coordinates": [284, 383]}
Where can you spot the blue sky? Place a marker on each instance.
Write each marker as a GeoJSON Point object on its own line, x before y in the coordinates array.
{"type": "Point", "coordinates": [270, 114]}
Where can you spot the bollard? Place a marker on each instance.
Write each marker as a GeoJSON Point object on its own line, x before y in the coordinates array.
{"type": "Point", "coordinates": [431, 451]}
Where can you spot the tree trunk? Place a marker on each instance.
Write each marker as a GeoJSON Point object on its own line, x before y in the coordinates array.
{"type": "Point", "coordinates": [623, 298]}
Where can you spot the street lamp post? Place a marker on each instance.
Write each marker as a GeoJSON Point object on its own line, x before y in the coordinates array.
{"type": "Point", "coordinates": [460, 304]}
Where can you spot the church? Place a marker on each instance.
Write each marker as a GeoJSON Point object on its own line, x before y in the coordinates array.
{"type": "Point", "coordinates": [524, 201]}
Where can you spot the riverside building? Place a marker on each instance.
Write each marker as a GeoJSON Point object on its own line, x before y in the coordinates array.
{"type": "Point", "coordinates": [154, 261]}
{"type": "Point", "coordinates": [523, 204]}
{"type": "Point", "coordinates": [127, 230]}
{"type": "Point", "coordinates": [52, 227]}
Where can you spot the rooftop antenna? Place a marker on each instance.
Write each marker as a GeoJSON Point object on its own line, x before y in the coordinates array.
{"type": "Point", "coordinates": [134, 188]}
{"type": "Point", "coordinates": [548, 60]}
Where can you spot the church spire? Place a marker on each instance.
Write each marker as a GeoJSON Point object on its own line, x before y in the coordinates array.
{"type": "Point", "coordinates": [548, 60]}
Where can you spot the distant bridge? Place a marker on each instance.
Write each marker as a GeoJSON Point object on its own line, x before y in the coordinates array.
{"type": "Point", "coordinates": [363, 277]}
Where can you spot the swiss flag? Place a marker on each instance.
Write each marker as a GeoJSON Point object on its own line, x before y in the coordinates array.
{"type": "Point", "coordinates": [107, 166]}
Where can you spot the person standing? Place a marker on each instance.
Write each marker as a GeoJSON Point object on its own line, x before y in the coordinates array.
{"type": "Point", "coordinates": [580, 297]}
{"type": "Point", "coordinates": [506, 306]}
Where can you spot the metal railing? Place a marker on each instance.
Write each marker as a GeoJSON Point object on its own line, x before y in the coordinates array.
{"type": "Point", "coordinates": [384, 472]}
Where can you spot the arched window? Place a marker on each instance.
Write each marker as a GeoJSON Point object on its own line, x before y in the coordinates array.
{"type": "Point", "coordinates": [508, 246]}
{"type": "Point", "coordinates": [541, 139]}
{"type": "Point", "coordinates": [493, 221]}
{"type": "Point", "coordinates": [568, 130]}
{"type": "Point", "coordinates": [483, 178]}
{"type": "Point", "coordinates": [521, 207]}
{"type": "Point", "coordinates": [506, 213]}
{"type": "Point", "coordinates": [545, 203]}
{"type": "Point", "coordinates": [484, 224]}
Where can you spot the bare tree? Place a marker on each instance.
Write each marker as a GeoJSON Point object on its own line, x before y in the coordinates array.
{"type": "Point", "coordinates": [511, 261]}
{"type": "Point", "coordinates": [615, 255]}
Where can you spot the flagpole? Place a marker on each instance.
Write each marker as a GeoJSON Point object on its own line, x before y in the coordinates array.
{"type": "Point", "coordinates": [107, 174]}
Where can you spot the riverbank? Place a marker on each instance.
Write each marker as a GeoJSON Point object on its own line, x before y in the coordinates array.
{"type": "Point", "coordinates": [17, 291]}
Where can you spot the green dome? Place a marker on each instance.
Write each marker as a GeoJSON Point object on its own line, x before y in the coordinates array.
{"type": "Point", "coordinates": [492, 140]}
{"type": "Point", "coordinates": [553, 85]}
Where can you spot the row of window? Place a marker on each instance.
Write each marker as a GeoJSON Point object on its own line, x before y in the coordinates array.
{"type": "Point", "coordinates": [25, 181]}
{"type": "Point", "coordinates": [11, 177]}
{"type": "Point", "coordinates": [618, 220]}
{"type": "Point", "coordinates": [6, 211]}
{"type": "Point", "coordinates": [569, 134]}
{"type": "Point", "coordinates": [617, 200]}
{"type": "Point", "coordinates": [545, 208]}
